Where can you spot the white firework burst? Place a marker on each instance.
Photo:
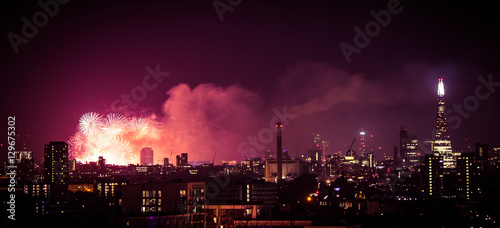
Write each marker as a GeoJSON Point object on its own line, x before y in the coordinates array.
{"type": "Point", "coordinates": [116, 151]}
{"type": "Point", "coordinates": [140, 127]}
{"type": "Point", "coordinates": [114, 123]}
{"type": "Point", "coordinates": [90, 123]}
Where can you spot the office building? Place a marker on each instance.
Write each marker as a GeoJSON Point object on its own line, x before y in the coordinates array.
{"type": "Point", "coordinates": [182, 160]}
{"type": "Point", "coordinates": [25, 166]}
{"type": "Point", "coordinates": [147, 156]}
{"type": "Point", "coordinates": [468, 174]}
{"type": "Point", "coordinates": [56, 163]}
{"type": "Point", "coordinates": [431, 176]}
{"type": "Point", "coordinates": [290, 169]}
{"type": "Point", "coordinates": [408, 145]}
{"type": "Point", "coordinates": [482, 155]}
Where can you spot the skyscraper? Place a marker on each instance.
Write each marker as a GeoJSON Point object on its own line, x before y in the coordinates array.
{"type": "Point", "coordinates": [182, 160]}
{"type": "Point", "coordinates": [408, 148]}
{"type": "Point", "coordinates": [468, 173]}
{"type": "Point", "coordinates": [147, 156]}
{"type": "Point", "coordinates": [431, 180]}
{"type": "Point", "coordinates": [442, 142]}
{"type": "Point", "coordinates": [362, 143]}
{"type": "Point", "coordinates": [482, 154]}
{"type": "Point", "coordinates": [371, 160]}
{"type": "Point", "coordinates": [441, 120]}
{"type": "Point", "coordinates": [56, 163]}
{"type": "Point", "coordinates": [25, 166]}
{"type": "Point", "coordinates": [315, 154]}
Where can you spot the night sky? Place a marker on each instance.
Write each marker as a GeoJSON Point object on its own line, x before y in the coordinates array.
{"type": "Point", "coordinates": [225, 77]}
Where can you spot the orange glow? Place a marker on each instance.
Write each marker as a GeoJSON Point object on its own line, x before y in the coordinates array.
{"type": "Point", "coordinates": [81, 187]}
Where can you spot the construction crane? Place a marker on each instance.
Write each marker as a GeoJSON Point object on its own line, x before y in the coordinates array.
{"type": "Point", "coordinates": [351, 146]}
{"type": "Point", "coordinates": [214, 157]}
{"type": "Point", "coordinates": [170, 158]}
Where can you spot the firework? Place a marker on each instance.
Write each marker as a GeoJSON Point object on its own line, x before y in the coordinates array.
{"type": "Point", "coordinates": [140, 127]}
{"type": "Point", "coordinates": [112, 136]}
{"type": "Point", "coordinates": [90, 123]}
{"type": "Point", "coordinates": [116, 151]}
{"type": "Point", "coordinates": [114, 123]}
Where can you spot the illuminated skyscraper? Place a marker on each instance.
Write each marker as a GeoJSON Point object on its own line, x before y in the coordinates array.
{"type": "Point", "coordinates": [25, 166]}
{"type": "Point", "coordinates": [315, 154]}
{"type": "Point", "coordinates": [442, 142]}
{"type": "Point", "coordinates": [408, 148]}
{"type": "Point", "coordinates": [56, 163]}
{"type": "Point", "coordinates": [362, 143]}
{"type": "Point", "coordinates": [441, 121]}
{"type": "Point", "coordinates": [316, 142]}
{"type": "Point", "coordinates": [431, 180]}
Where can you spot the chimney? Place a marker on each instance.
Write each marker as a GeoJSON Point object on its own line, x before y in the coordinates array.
{"type": "Point", "coordinates": [279, 150]}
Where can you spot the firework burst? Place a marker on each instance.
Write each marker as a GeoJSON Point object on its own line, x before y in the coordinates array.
{"type": "Point", "coordinates": [114, 137]}
{"type": "Point", "coordinates": [114, 123]}
{"type": "Point", "coordinates": [140, 127]}
{"type": "Point", "coordinates": [90, 123]}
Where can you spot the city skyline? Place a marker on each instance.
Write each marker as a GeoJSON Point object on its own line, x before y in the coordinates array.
{"type": "Point", "coordinates": [237, 113]}
{"type": "Point", "coordinates": [300, 68]}
{"type": "Point", "coordinates": [114, 122]}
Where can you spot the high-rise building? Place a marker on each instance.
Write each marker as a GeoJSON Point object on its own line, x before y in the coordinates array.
{"type": "Point", "coordinates": [362, 143]}
{"type": "Point", "coordinates": [182, 160]}
{"type": "Point", "coordinates": [325, 145]}
{"type": "Point", "coordinates": [431, 179]}
{"type": "Point", "coordinates": [482, 154]}
{"type": "Point", "coordinates": [442, 142]}
{"type": "Point", "coordinates": [316, 142]}
{"type": "Point", "coordinates": [468, 174]}
{"type": "Point", "coordinates": [315, 154]}
{"type": "Point", "coordinates": [101, 161]}
{"type": "Point", "coordinates": [408, 148]}
{"type": "Point", "coordinates": [147, 156]}
{"type": "Point", "coordinates": [371, 160]}
{"type": "Point", "coordinates": [56, 163]}
{"type": "Point", "coordinates": [315, 160]}
{"type": "Point", "coordinates": [25, 166]}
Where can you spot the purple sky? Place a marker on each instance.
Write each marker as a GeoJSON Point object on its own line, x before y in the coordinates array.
{"type": "Point", "coordinates": [264, 56]}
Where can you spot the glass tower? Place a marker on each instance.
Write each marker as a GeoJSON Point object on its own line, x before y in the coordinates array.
{"type": "Point", "coordinates": [442, 142]}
